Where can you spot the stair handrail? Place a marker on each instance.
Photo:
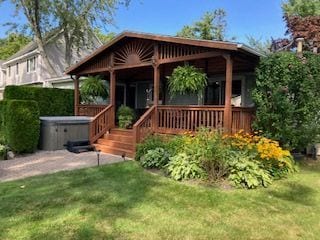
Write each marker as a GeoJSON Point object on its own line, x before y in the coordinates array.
{"type": "Point", "coordinates": [149, 115]}
{"type": "Point", "coordinates": [101, 123]}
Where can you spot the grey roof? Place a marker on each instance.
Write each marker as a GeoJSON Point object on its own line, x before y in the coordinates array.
{"type": "Point", "coordinates": [33, 45]}
{"type": "Point", "coordinates": [28, 48]}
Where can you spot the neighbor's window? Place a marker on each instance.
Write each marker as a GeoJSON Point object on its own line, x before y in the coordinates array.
{"type": "Point", "coordinates": [17, 68]}
{"type": "Point", "coordinates": [9, 71]}
{"type": "Point", "coordinates": [31, 64]}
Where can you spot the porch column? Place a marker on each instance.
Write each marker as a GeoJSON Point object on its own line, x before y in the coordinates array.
{"type": "Point", "coordinates": [156, 85]}
{"type": "Point", "coordinates": [113, 94]}
{"type": "Point", "coordinates": [76, 95]}
{"type": "Point", "coordinates": [227, 120]}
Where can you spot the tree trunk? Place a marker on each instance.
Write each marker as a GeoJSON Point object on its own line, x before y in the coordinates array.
{"type": "Point", "coordinates": [32, 12]}
{"type": "Point", "coordinates": [68, 49]}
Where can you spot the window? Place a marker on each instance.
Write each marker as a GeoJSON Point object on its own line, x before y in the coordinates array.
{"type": "Point", "coordinates": [9, 71]}
{"type": "Point", "coordinates": [31, 64]}
{"type": "Point", "coordinates": [17, 68]}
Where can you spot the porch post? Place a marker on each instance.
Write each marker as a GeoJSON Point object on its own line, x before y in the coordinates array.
{"type": "Point", "coordinates": [113, 94]}
{"type": "Point", "coordinates": [227, 120]}
{"type": "Point", "coordinates": [156, 85]}
{"type": "Point", "coordinates": [76, 95]}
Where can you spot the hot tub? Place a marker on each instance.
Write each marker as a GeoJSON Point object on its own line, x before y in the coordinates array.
{"type": "Point", "coordinates": [55, 132]}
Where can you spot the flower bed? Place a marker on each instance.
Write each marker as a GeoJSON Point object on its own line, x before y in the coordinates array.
{"type": "Point", "coordinates": [246, 160]}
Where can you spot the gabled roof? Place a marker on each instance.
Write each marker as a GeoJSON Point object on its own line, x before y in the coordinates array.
{"type": "Point", "coordinates": [223, 45]}
{"type": "Point", "coordinates": [31, 46]}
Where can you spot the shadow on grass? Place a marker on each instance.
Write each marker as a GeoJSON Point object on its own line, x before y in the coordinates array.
{"type": "Point", "coordinates": [296, 192]}
{"type": "Point", "coordinates": [72, 204]}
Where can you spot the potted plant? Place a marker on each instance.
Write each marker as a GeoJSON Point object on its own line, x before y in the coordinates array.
{"type": "Point", "coordinates": [126, 116]}
{"type": "Point", "coordinates": [187, 80]}
{"type": "Point", "coordinates": [93, 88]}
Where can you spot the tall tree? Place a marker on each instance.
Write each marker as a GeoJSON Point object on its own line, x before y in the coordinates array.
{"type": "Point", "coordinates": [212, 26]}
{"type": "Point", "coordinates": [104, 38]}
{"type": "Point", "coordinates": [259, 45]}
{"type": "Point", "coordinates": [74, 18]}
{"type": "Point", "coordinates": [301, 8]}
{"type": "Point", "coordinates": [12, 44]}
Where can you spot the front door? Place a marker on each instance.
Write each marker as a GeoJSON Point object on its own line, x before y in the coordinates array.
{"type": "Point", "coordinates": [120, 95]}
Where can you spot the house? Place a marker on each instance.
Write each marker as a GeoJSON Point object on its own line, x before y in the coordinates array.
{"type": "Point", "coordinates": [136, 65]}
{"type": "Point", "coordinates": [26, 67]}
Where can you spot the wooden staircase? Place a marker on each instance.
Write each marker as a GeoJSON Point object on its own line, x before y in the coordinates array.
{"type": "Point", "coordinates": [117, 142]}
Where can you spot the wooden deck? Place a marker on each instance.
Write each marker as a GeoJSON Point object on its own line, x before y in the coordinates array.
{"type": "Point", "coordinates": [162, 120]}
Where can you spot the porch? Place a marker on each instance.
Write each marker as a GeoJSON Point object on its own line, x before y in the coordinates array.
{"type": "Point", "coordinates": [136, 66]}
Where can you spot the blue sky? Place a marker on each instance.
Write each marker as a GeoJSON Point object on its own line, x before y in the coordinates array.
{"type": "Point", "coordinates": [258, 18]}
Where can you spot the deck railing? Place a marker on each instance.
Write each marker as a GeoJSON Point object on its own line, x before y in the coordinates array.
{"type": "Point", "coordinates": [101, 123]}
{"type": "Point", "coordinates": [145, 125]}
{"type": "Point", "coordinates": [90, 110]}
{"type": "Point", "coordinates": [242, 119]}
{"type": "Point", "coordinates": [179, 119]}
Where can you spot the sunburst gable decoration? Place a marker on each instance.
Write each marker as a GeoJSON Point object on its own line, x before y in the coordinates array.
{"type": "Point", "coordinates": [133, 53]}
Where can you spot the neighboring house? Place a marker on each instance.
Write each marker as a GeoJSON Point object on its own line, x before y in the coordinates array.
{"type": "Point", "coordinates": [137, 66]}
{"type": "Point", "coordinates": [26, 67]}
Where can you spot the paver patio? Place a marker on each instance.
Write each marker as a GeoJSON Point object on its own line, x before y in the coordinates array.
{"type": "Point", "coordinates": [44, 162]}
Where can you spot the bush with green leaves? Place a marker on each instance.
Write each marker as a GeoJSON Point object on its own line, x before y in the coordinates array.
{"type": "Point", "coordinates": [155, 158]}
{"type": "Point", "coordinates": [51, 101]}
{"type": "Point", "coordinates": [22, 125]}
{"type": "Point", "coordinates": [150, 143]}
{"type": "Point", "coordinates": [187, 80]}
{"type": "Point", "coordinates": [247, 173]}
{"type": "Point", "coordinates": [183, 167]}
{"type": "Point", "coordinates": [126, 116]}
{"type": "Point", "coordinates": [287, 98]}
{"type": "Point", "coordinates": [92, 88]}
{"type": "Point", "coordinates": [3, 152]}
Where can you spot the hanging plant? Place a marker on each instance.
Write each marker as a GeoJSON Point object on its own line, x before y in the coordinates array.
{"type": "Point", "coordinates": [187, 79]}
{"type": "Point", "coordinates": [92, 88]}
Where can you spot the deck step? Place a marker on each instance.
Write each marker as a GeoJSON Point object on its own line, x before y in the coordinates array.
{"type": "Point", "coordinates": [119, 131]}
{"type": "Point", "coordinates": [114, 150]}
{"type": "Point", "coordinates": [112, 143]}
{"type": "Point", "coordinates": [119, 138]}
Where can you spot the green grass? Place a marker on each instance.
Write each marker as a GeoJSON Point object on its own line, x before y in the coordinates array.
{"type": "Point", "coordinates": [122, 201]}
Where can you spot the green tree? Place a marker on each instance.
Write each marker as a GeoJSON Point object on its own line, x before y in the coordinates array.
{"type": "Point", "coordinates": [104, 38]}
{"type": "Point", "coordinates": [259, 45]}
{"type": "Point", "coordinates": [301, 8]}
{"type": "Point", "coordinates": [74, 18]}
{"type": "Point", "coordinates": [287, 98]}
{"type": "Point", "coordinates": [212, 26]}
{"type": "Point", "coordinates": [12, 44]}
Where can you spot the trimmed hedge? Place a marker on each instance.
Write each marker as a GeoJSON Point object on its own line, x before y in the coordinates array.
{"type": "Point", "coordinates": [22, 128]}
{"type": "Point", "coordinates": [2, 121]}
{"type": "Point", "coordinates": [51, 101]}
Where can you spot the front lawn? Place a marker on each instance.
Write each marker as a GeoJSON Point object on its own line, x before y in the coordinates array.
{"type": "Point", "coordinates": [122, 201]}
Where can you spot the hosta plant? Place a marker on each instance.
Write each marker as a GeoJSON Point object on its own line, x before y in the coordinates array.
{"type": "Point", "coordinates": [155, 158]}
{"type": "Point", "coordinates": [183, 167]}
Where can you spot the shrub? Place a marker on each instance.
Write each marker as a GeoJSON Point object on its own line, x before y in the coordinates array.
{"type": "Point", "coordinates": [150, 143]}
{"type": "Point", "coordinates": [287, 98]}
{"type": "Point", "coordinates": [3, 105]}
{"type": "Point", "coordinates": [3, 152]}
{"type": "Point", "coordinates": [51, 101]}
{"type": "Point", "coordinates": [22, 125]}
{"type": "Point", "coordinates": [155, 158]}
{"type": "Point", "coordinates": [126, 116]}
{"type": "Point", "coordinates": [183, 167]}
{"type": "Point", "coordinates": [246, 172]}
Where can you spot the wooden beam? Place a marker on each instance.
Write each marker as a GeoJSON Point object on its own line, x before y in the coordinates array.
{"type": "Point", "coordinates": [227, 120]}
{"type": "Point", "coordinates": [76, 95]}
{"type": "Point", "coordinates": [192, 57]}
